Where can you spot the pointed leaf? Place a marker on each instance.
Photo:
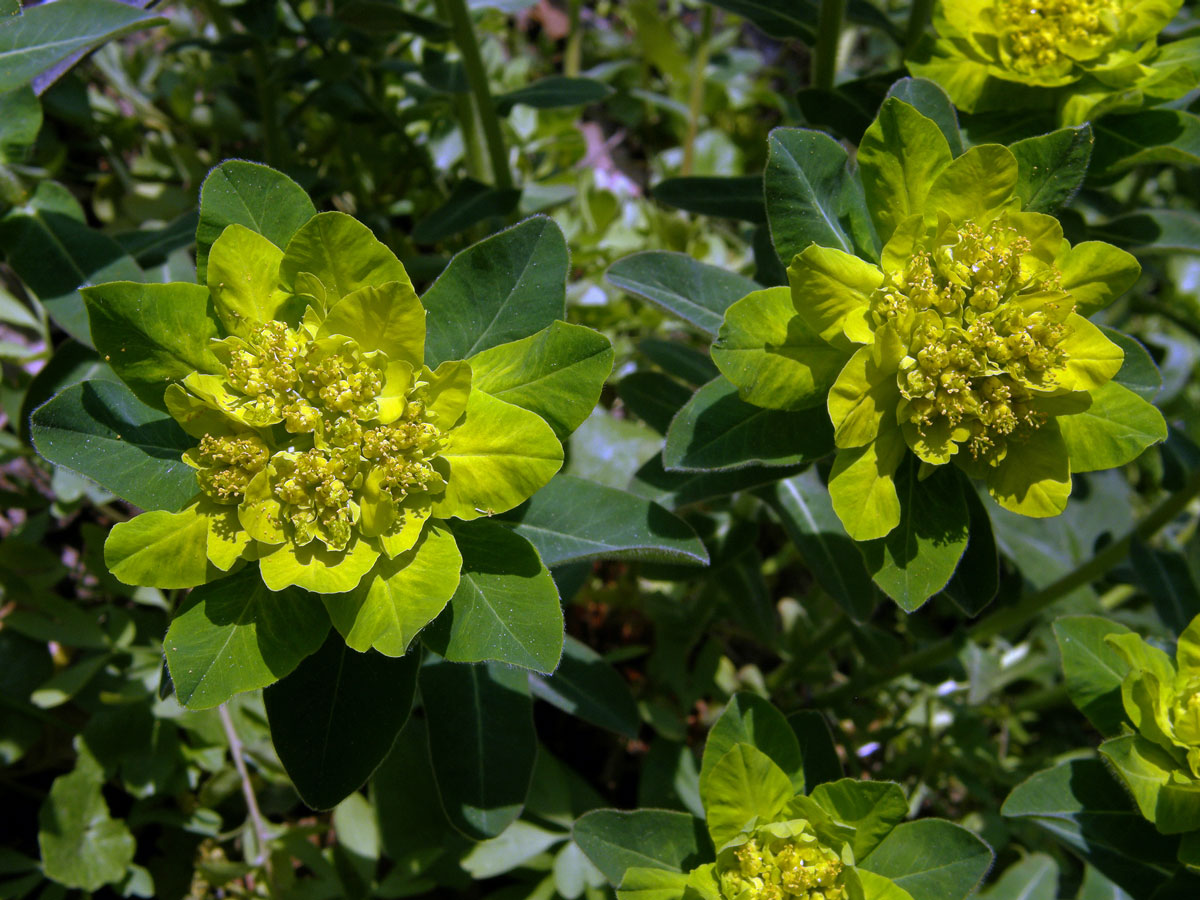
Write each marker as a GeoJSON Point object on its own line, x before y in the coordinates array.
{"type": "Point", "coordinates": [695, 292]}
{"type": "Point", "coordinates": [731, 197]}
{"type": "Point", "coordinates": [587, 687]}
{"type": "Point", "coordinates": [927, 98]}
{"type": "Point", "coordinates": [744, 788]}
{"type": "Point", "coordinates": [616, 841]}
{"type": "Point", "coordinates": [932, 859]}
{"type": "Point", "coordinates": [749, 719]}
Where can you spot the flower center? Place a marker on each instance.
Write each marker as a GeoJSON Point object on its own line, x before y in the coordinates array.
{"type": "Point", "coordinates": [982, 337]}
{"type": "Point", "coordinates": [324, 394]}
{"type": "Point", "coordinates": [1186, 715]}
{"type": "Point", "coordinates": [1040, 33]}
{"type": "Point", "coordinates": [799, 867]}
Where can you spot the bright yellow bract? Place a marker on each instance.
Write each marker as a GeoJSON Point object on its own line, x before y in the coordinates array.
{"type": "Point", "coordinates": [783, 868]}
{"type": "Point", "coordinates": [1039, 33]}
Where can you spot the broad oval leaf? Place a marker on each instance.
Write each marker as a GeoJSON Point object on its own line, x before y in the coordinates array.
{"type": "Point", "coordinates": [693, 291]}
{"type": "Point", "coordinates": [587, 687]}
{"type": "Point", "coordinates": [932, 859]}
{"type": "Point", "coordinates": [648, 838]}
{"type": "Point", "coordinates": [749, 719]}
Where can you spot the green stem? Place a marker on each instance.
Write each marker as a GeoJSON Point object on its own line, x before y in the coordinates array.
{"type": "Point", "coordinates": [919, 16]}
{"type": "Point", "coordinates": [825, 53]}
{"type": "Point", "coordinates": [272, 139]}
{"type": "Point", "coordinates": [468, 46]}
{"type": "Point", "coordinates": [573, 56]}
{"type": "Point", "coordinates": [696, 96]}
{"type": "Point", "coordinates": [1026, 610]}
{"type": "Point", "coordinates": [262, 833]}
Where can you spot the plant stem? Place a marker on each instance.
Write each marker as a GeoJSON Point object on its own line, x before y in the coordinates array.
{"type": "Point", "coordinates": [825, 53]}
{"type": "Point", "coordinates": [485, 109]}
{"type": "Point", "coordinates": [919, 16]}
{"type": "Point", "coordinates": [696, 97]}
{"type": "Point", "coordinates": [238, 752]}
{"type": "Point", "coordinates": [573, 56]}
{"type": "Point", "coordinates": [267, 111]}
{"type": "Point", "coordinates": [1027, 609]}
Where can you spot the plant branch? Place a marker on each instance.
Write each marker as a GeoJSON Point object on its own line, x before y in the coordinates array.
{"type": "Point", "coordinates": [825, 53]}
{"type": "Point", "coordinates": [238, 752]}
{"type": "Point", "coordinates": [1024, 611]}
{"type": "Point", "coordinates": [919, 16]}
{"type": "Point", "coordinates": [573, 56]}
{"type": "Point", "coordinates": [485, 108]}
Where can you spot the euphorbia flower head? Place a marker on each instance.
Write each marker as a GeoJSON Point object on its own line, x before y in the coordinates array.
{"type": "Point", "coordinates": [967, 343]}
{"type": "Point", "coordinates": [1085, 56]}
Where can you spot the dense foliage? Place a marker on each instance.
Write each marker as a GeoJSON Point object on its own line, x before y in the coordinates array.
{"type": "Point", "coordinates": [652, 449]}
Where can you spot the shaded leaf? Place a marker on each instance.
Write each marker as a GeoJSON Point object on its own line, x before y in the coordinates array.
{"type": "Point", "coordinates": [694, 291]}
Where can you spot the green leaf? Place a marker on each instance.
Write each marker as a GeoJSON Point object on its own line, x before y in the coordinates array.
{"type": "Point", "coordinates": [678, 489]}
{"type": "Point", "coordinates": [1051, 167]}
{"type": "Point", "coordinates": [1114, 430]}
{"type": "Point", "coordinates": [20, 122]}
{"type": "Point", "coordinates": [693, 291]}
{"type": "Point", "coordinates": [514, 847]}
{"type": "Point", "coordinates": [821, 763]}
{"type": "Point", "coordinates": [772, 354]}
{"type": "Point", "coordinates": [399, 596]}
{"type": "Point", "coordinates": [616, 841]}
{"type": "Point", "coordinates": [469, 203]}
{"type": "Point", "coordinates": [1146, 768]}
{"type": "Point", "coordinates": [810, 194]}
{"type": "Point", "coordinates": [1093, 669]}
{"type": "Point", "coordinates": [374, 16]}
{"type": "Point", "coordinates": [1168, 136]}
{"type": "Point", "coordinates": [48, 245]}
{"type": "Point", "coordinates": [976, 581]}
{"type": "Point", "coordinates": [927, 98]}
{"type": "Point", "coordinates": [343, 254]}
{"type": "Point", "coordinates": [161, 549]}
{"type": "Point", "coordinates": [871, 808]}
{"type": "Point", "coordinates": [1096, 887]}
{"type": "Point", "coordinates": [1080, 804]}
{"type": "Point", "coordinates": [572, 519]}
{"type": "Point", "coordinates": [1149, 232]}
{"type": "Point", "coordinates": [244, 193]}
{"type": "Point", "coordinates": [506, 607]}
{"type": "Point", "coordinates": [717, 430]}
{"type": "Point", "coordinates": [1166, 578]}
{"type": "Point", "coordinates": [744, 788]}
{"type": "Point", "coordinates": [587, 687]}
{"type": "Point", "coordinates": [1138, 370]}
{"type": "Point", "coordinates": [749, 719]}
{"type": "Point", "coordinates": [919, 556]}
{"type": "Point", "coordinates": [932, 859]}
{"type": "Point", "coordinates": [554, 92]}
{"type": "Point", "coordinates": [653, 397]}
{"type": "Point", "coordinates": [234, 635]}
{"type": "Point", "coordinates": [82, 846]}
{"type": "Point", "coordinates": [44, 35]}
{"type": "Point", "coordinates": [802, 506]}
{"type": "Point", "coordinates": [557, 373]}
{"type": "Point", "coordinates": [680, 360]}
{"type": "Point", "coordinates": [1033, 878]}
{"type": "Point", "coordinates": [153, 246]}
{"type": "Point", "coordinates": [481, 741]}
{"type": "Point", "coordinates": [507, 287]}
{"type": "Point", "coordinates": [100, 430]}
{"type": "Point", "coordinates": [899, 157]}
{"type": "Point", "coordinates": [730, 197]}
{"type": "Point", "coordinates": [153, 334]}
{"type": "Point", "coordinates": [336, 716]}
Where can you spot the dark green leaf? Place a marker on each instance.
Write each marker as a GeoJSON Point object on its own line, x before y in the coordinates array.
{"type": "Point", "coordinates": [1081, 804]}
{"type": "Point", "coordinates": [750, 719]}
{"type": "Point", "coordinates": [100, 430]}
{"type": "Point", "coordinates": [481, 741]}
{"type": "Point", "coordinates": [1051, 167]}
{"type": "Point", "coordinates": [734, 197]}
{"type": "Point", "coordinates": [811, 196]}
{"type": "Point", "coordinates": [1152, 231]}
{"type": "Point", "coordinates": [716, 430]}
{"type": "Point", "coordinates": [1138, 371]}
{"type": "Point", "coordinates": [976, 581]}
{"type": "Point", "coordinates": [653, 397]}
{"type": "Point", "coordinates": [821, 763]}
{"type": "Point", "coordinates": [677, 489]}
{"type": "Point", "coordinates": [691, 365]}
{"type": "Point", "coordinates": [234, 635]}
{"type": "Point", "coordinates": [151, 246]}
{"type": "Point", "coordinates": [919, 556]}
{"type": "Point", "coordinates": [379, 16]}
{"type": "Point", "coordinates": [932, 859]}
{"type": "Point", "coordinates": [405, 796]}
{"type": "Point", "coordinates": [694, 291]}
{"type": "Point", "coordinates": [1168, 581]}
{"type": "Point", "coordinates": [931, 101]}
{"type": "Point", "coordinates": [587, 687]}
{"type": "Point", "coordinates": [55, 253]}
{"type": "Point", "coordinates": [336, 716]}
{"type": "Point", "coordinates": [653, 838]}
{"type": "Point", "coordinates": [20, 122]}
{"type": "Point", "coordinates": [1033, 878]}
{"type": "Point", "coordinates": [803, 507]}
{"type": "Point", "coordinates": [469, 203]}
{"type": "Point", "coordinates": [571, 519]}
{"type": "Point", "coordinates": [244, 193]}
{"type": "Point", "coordinates": [502, 289]}
{"type": "Point", "coordinates": [506, 607]}
{"type": "Point", "coordinates": [1168, 136]}
{"type": "Point", "coordinates": [45, 35]}
{"type": "Point", "coordinates": [554, 92]}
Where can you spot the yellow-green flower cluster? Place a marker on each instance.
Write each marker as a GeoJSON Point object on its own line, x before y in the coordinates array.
{"type": "Point", "coordinates": [779, 868]}
{"type": "Point", "coordinates": [1086, 57]}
